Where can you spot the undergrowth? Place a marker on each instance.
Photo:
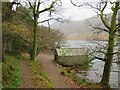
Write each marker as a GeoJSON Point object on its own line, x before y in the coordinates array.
{"type": "Point", "coordinates": [11, 73]}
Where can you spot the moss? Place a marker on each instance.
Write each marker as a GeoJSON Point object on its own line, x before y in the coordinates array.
{"type": "Point", "coordinates": [41, 79]}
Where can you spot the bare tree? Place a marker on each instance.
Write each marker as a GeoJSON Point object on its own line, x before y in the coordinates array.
{"type": "Point", "coordinates": [39, 7]}
{"type": "Point", "coordinates": [112, 28]}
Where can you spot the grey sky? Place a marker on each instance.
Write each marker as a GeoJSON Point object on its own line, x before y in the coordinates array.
{"type": "Point", "coordinates": [75, 13]}
{"type": "Point", "coordinates": [79, 13]}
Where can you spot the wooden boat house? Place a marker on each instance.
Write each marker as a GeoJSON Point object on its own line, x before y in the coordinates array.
{"type": "Point", "coordinates": [69, 56]}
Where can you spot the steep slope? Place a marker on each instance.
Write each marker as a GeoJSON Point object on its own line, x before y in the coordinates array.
{"type": "Point", "coordinates": [81, 29]}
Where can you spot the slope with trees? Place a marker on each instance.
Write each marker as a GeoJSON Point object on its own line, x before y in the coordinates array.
{"type": "Point", "coordinates": [17, 33]}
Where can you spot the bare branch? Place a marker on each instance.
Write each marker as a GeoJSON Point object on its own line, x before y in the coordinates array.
{"type": "Point", "coordinates": [34, 6]}
{"type": "Point", "coordinates": [117, 27]}
{"type": "Point", "coordinates": [101, 13]}
{"type": "Point", "coordinates": [105, 21]}
{"type": "Point", "coordinates": [76, 4]}
{"type": "Point", "coordinates": [30, 4]}
{"type": "Point", "coordinates": [115, 53]}
{"type": "Point", "coordinates": [22, 38]}
{"type": "Point", "coordinates": [88, 4]}
{"type": "Point", "coordinates": [103, 59]}
{"type": "Point", "coordinates": [60, 3]}
{"type": "Point", "coordinates": [17, 3]}
{"type": "Point", "coordinates": [38, 5]}
{"type": "Point", "coordinates": [99, 51]}
{"type": "Point", "coordinates": [100, 45]}
{"type": "Point", "coordinates": [45, 20]}
{"type": "Point", "coordinates": [58, 19]}
{"type": "Point", "coordinates": [99, 28]}
{"type": "Point", "coordinates": [49, 8]}
{"type": "Point", "coordinates": [104, 6]}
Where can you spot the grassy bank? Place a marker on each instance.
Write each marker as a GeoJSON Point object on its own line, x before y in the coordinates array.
{"type": "Point", "coordinates": [41, 79]}
{"type": "Point", "coordinates": [11, 73]}
{"type": "Point", "coordinates": [81, 82]}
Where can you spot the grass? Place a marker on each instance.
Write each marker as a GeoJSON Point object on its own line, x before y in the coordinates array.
{"type": "Point", "coordinates": [82, 82]}
{"type": "Point", "coordinates": [11, 73]}
{"type": "Point", "coordinates": [41, 79]}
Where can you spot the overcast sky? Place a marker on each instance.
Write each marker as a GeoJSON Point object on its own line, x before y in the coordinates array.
{"type": "Point", "coordinates": [75, 13]}
{"type": "Point", "coordinates": [78, 13]}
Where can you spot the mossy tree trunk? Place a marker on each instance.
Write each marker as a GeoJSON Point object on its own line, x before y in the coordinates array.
{"type": "Point", "coordinates": [34, 53]}
{"type": "Point", "coordinates": [35, 7]}
{"type": "Point", "coordinates": [108, 60]}
{"type": "Point", "coordinates": [110, 50]}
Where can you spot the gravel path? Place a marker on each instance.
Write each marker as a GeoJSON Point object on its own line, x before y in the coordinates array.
{"type": "Point", "coordinates": [27, 77]}
{"type": "Point", "coordinates": [52, 70]}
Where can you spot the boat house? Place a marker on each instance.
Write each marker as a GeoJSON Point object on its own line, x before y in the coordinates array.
{"type": "Point", "coordinates": [69, 56]}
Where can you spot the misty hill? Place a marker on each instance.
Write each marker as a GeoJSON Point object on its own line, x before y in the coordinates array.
{"type": "Point", "coordinates": [81, 29]}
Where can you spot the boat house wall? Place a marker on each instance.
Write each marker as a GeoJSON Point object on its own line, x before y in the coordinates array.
{"type": "Point", "coordinates": [69, 56]}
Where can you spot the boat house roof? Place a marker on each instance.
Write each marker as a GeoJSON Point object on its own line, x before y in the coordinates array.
{"type": "Point", "coordinates": [70, 51]}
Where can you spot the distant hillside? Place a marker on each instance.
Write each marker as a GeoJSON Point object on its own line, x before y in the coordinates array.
{"type": "Point", "coordinates": [81, 29]}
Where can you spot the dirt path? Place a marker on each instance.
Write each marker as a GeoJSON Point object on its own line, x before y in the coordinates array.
{"type": "Point", "coordinates": [27, 78]}
{"type": "Point", "coordinates": [52, 70]}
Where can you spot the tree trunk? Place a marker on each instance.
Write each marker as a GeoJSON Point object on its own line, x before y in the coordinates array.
{"type": "Point", "coordinates": [108, 59]}
{"type": "Point", "coordinates": [109, 56]}
{"type": "Point", "coordinates": [34, 52]}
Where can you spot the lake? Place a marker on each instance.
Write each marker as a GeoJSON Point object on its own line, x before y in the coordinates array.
{"type": "Point", "coordinates": [95, 72]}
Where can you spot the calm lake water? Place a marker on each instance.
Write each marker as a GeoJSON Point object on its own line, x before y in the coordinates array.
{"type": "Point", "coordinates": [95, 72]}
